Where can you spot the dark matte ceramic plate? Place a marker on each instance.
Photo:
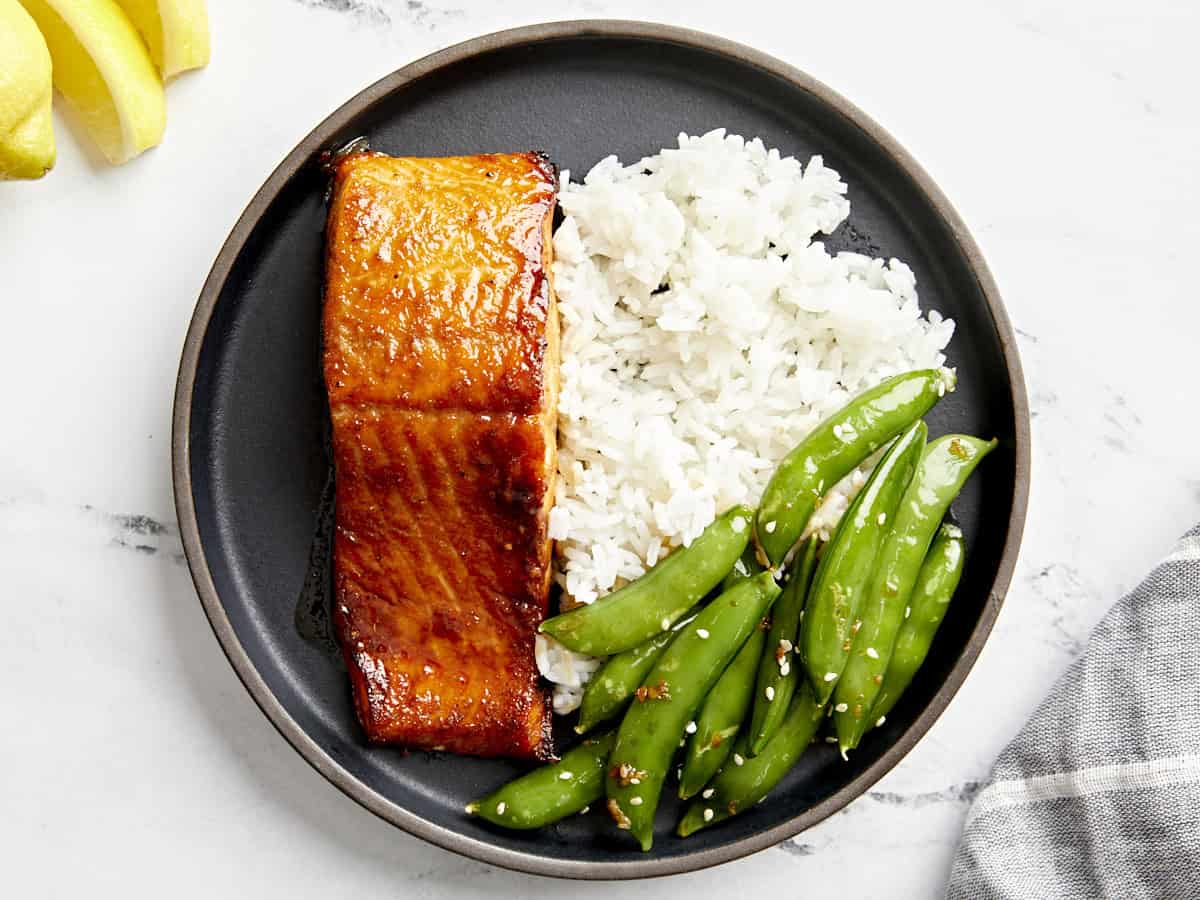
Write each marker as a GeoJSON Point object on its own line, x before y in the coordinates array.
{"type": "Point", "coordinates": [250, 416]}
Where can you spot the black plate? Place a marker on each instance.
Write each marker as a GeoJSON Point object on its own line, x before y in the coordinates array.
{"type": "Point", "coordinates": [250, 414]}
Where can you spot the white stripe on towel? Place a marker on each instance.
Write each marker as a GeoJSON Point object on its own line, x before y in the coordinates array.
{"type": "Point", "coordinates": [1085, 782]}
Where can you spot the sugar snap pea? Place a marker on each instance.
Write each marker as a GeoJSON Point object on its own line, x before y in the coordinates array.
{"type": "Point", "coordinates": [747, 566]}
{"type": "Point", "coordinates": [650, 732]}
{"type": "Point", "coordinates": [745, 780]}
{"type": "Point", "coordinates": [653, 603]}
{"type": "Point", "coordinates": [550, 792]}
{"type": "Point", "coordinates": [721, 717]}
{"type": "Point", "coordinates": [778, 670]}
{"type": "Point", "coordinates": [944, 468]}
{"type": "Point", "coordinates": [938, 578]}
{"type": "Point", "coordinates": [614, 685]}
{"type": "Point", "coordinates": [835, 447]}
{"type": "Point", "coordinates": [844, 573]}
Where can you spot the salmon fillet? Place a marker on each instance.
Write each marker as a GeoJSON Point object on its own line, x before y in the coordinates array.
{"type": "Point", "coordinates": [441, 364]}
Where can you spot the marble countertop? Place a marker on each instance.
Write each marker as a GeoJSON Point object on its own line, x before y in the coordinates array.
{"type": "Point", "coordinates": [133, 761]}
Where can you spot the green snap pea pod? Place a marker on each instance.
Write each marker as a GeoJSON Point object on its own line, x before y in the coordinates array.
{"type": "Point", "coordinates": [613, 686]}
{"type": "Point", "coordinates": [661, 597]}
{"type": "Point", "coordinates": [721, 717]}
{"type": "Point", "coordinates": [746, 780]}
{"type": "Point", "coordinates": [651, 730]}
{"type": "Point", "coordinates": [936, 583]}
{"type": "Point", "coordinates": [944, 468]}
{"type": "Point", "coordinates": [844, 574]}
{"type": "Point", "coordinates": [777, 676]}
{"type": "Point", "coordinates": [835, 447]}
{"type": "Point", "coordinates": [747, 566]}
{"type": "Point", "coordinates": [550, 792]}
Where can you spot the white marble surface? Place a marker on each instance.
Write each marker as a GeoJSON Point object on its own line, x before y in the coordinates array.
{"type": "Point", "coordinates": [132, 761]}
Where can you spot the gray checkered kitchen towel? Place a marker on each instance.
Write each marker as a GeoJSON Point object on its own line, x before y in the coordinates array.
{"type": "Point", "coordinates": [1099, 795]}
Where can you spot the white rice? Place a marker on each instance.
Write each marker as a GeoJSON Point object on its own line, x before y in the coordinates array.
{"type": "Point", "coordinates": [705, 333]}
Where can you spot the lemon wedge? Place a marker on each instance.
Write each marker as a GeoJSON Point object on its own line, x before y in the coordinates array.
{"type": "Point", "coordinates": [26, 131]}
{"type": "Point", "coordinates": [104, 70]}
{"type": "Point", "coordinates": [176, 31]}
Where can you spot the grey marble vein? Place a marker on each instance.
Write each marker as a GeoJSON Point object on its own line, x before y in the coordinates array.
{"type": "Point", "coordinates": [141, 533]}
{"type": "Point", "coordinates": [1059, 589]}
{"type": "Point", "coordinates": [955, 793]}
{"type": "Point", "coordinates": [1040, 399]}
{"type": "Point", "coordinates": [958, 794]}
{"type": "Point", "coordinates": [417, 12]}
{"type": "Point", "coordinates": [365, 10]}
{"type": "Point", "coordinates": [137, 532]}
{"type": "Point", "coordinates": [389, 12]}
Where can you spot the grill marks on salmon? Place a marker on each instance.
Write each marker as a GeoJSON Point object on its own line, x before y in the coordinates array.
{"type": "Point", "coordinates": [441, 363]}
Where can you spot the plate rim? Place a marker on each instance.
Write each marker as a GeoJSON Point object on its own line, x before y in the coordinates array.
{"type": "Point", "coordinates": [631, 866]}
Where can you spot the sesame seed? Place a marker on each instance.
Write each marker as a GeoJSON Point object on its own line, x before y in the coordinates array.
{"type": "Point", "coordinates": [907, 611]}
{"type": "Point", "coordinates": [770, 527]}
{"type": "Point", "coordinates": [881, 518]}
{"type": "Point", "coordinates": [565, 776]}
{"type": "Point", "coordinates": [873, 653]}
{"type": "Point", "coordinates": [635, 780]}
{"type": "Point", "coordinates": [738, 525]}
{"type": "Point", "coordinates": [770, 692]}
{"type": "Point", "coordinates": [708, 815]}
{"type": "Point", "coordinates": [585, 809]}
{"type": "Point", "coordinates": [738, 759]}
{"type": "Point", "coordinates": [785, 645]}
{"type": "Point", "coordinates": [666, 624]}
{"type": "Point", "coordinates": [682, 741]}
{"type": "Point", "coordinates": [707, 792]}
{"type": "Point", "coordinates": [880, 721]}
{"type": "Point", "coordinates": [831, 676]}
{"type": "Point", "coordinates": [702, 633]}
{"type": "Point", "coordinates": [785, 670]}
{"type": "Point", "coordinates": [501, 807]}
{"type": "Point", "coordinates": [841, 707]}
{"type": "Point", "coordinates": [635, 801]}
{"type": "Point", "coordinates": [691, 728]}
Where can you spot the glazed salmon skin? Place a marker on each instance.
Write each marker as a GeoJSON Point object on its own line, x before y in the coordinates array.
{"type": "Point", "coordinates": [441, 363]}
